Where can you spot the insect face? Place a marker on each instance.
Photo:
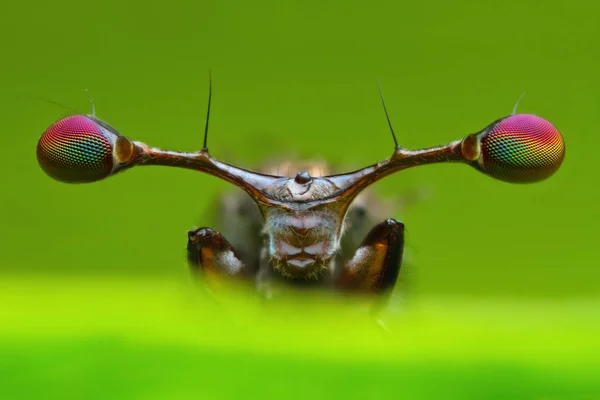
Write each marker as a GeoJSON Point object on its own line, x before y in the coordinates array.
{"type": "Point", "coordinates": [303, 234]}
{"type": "Point", "coordinates": [302, 217]}
{"type": "Point", "coordinates": [301, 242]}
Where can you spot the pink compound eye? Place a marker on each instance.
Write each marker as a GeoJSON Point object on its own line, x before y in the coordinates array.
{"type": "Point", "coordinates": [521, 148]}
{"type": "Point", "coordinates": [76, 149]}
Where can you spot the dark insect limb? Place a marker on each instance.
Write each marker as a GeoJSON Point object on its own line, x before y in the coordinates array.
{"type": "Point", "coordinates": [375, 266]}
{"type": "Point", "coordinates": [238, 218]}
{"type": "Point", "coordinates": [211, 254]}
{"type": "Point", "coordinates": [368, 209]}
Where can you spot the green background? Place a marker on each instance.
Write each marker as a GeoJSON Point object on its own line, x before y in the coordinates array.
{"type": "Point", "coordinates": [299, 79]}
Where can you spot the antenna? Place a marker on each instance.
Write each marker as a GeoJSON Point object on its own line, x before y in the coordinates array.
{"type": "Point", "coordinates": [91, 102]}
{"type": "Point", "coordinates": [516, 105]}
{"type": "Point", "coordinates": [387, 115]}
{"type": "Point", "coordinates": [59, 105]}
{"type": "Point", "coordinates": [208, 111]}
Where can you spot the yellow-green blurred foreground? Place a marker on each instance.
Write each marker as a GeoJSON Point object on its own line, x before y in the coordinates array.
{"type": "Point", "coordinates": [500, 291]}
{"type": "Point", "coordinates": [153, 339]}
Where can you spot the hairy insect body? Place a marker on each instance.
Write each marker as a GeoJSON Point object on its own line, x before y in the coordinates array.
{"type": "Point", "coordinates": [300, 236]}
{"type": "Point", "coordinates": [301, 243]}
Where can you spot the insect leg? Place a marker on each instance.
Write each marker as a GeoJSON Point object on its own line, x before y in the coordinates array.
{"type": "Point", "coordinates": [210, 253]}
{"type": "Point", "coordinates": [375, 266]}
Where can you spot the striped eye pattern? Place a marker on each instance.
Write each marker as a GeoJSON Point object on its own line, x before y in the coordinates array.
{"type": "Point", "coordinates": [76, 149]}
{"type": "Point", "coordinates": [521, 148]}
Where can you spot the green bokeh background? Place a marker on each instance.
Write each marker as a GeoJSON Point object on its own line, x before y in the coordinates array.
{"type": "Point", "coordinates": [298, 79]}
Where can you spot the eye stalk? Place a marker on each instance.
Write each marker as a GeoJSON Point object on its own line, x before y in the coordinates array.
{"type": "Point", "coordinates": [83, 148]}
{"type": "Point", "coordinates": [522, 148]}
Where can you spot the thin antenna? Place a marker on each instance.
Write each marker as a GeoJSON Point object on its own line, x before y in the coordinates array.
{"type": "Point", "coordinates": [91, 102]}
{"type": "Point", "coordinates": [60, 105]}
{"type": "Point", "coordinates": [208, 111]}
{"type": "Point", "coordinates": [516, 105]}
{"type": "Point", "coordinates": [387, 115]}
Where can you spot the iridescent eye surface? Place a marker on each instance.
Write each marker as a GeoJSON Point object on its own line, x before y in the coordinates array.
{"type": "Point", "coordinates": [521, 148]}
{"type": "Point", "coordinates": [75, 149]}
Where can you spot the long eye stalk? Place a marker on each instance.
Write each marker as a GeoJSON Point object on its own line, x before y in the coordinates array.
{"type": "Point", "coordinates": [80, 149]}
{"type": "Point", "coordinates": [83, 148]}
{"type": "Point", "coordinates": [520, 148]}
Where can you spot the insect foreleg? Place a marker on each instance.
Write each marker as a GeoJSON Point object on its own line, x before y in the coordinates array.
{"type": "Point", "coordinates": [375, 266]}
{"type": "Point", "coordinates": [211, 254]}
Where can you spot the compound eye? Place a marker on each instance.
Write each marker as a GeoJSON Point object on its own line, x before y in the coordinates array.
{"type": "Point", "coordinates": [76, 149]}
{"type": "Point", "coordinates": [521, 148]}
